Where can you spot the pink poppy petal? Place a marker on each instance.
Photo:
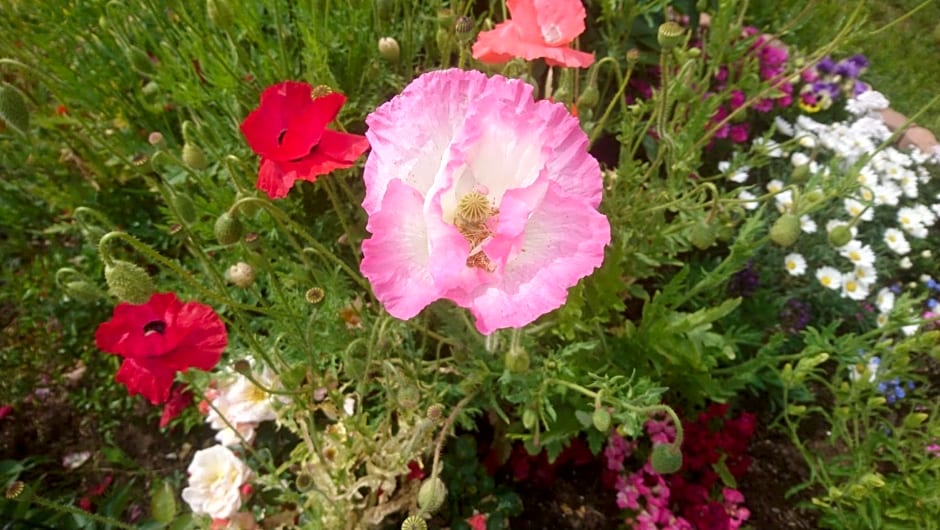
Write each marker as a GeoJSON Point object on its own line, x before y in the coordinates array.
{"type": "Point", "coordinates": [564, 241]}
{"type": "Point", "coordinates": [395, 258]}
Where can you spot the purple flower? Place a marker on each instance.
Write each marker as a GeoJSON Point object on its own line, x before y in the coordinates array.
{"type": "Point", "coordinates": [745, 282]}
{"type": "Point", "coordinates": [825, 65]}
{"type": "Point", "coordinates": [795, 316]}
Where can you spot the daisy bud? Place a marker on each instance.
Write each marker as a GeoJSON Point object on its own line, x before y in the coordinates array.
{"type": "Point", "coordinates": [82, 291]}
{"type": "Point", "coordinates": [840, 236]}
{"type": "Point", "coordinates": [414, 522]}
{"type": "Point", "coordinates": [601, 419]}
{"type": "Point", "coordinates": [128, 282]}
{"type": "Point", "coordinates": [666, 458]}
{"type": "Point", "coordinates": [241, 275]}
{"type": "Point", "coordinates": [185, 208]}
{"type": "Point", "coordinates": [588, 98]}
{"type": "Point", "coordinates": [228, 229]}
{"type": "Point", "coordinates": [139, 60]}
{"type": "Point", "coordinates": [926, 254]}
{"type": "Point", "coordinates": [633, 56]}
{"type": "Point", "coordinates": [150, 88]}
{"type": "Point", "coordinates": [194, 157]}
{"type": "Point", "coordinates": [516, 360]}
{"type": "Point", "coordinates": [242, 366]}
{"type": "Point", "coordinates": [431, 495]}
{"type": "Point", "coordinates": [13, 110]}
{"type": "Point", "coordinates": [814, 196]}
{"type": "Point", "coordinates": [389, 49]}
{"type": "Point", "coordinates": [703, 235]}
{"type": "Point", "coordinates": [785, 230]}
{"type": "Point", "coordinates": [529, 418]}
{"type": "Point", "coordinates": [670, 35]}
{"type": "Point", "coordinates": [163, 503]}
{"type": "Point", "coordinates": [800, 173]}
{"type": "Point", "coordinates": [304, 481]}
{"type": "Point", "coordinates": [435, 412]}
{"type": "Point", "coordinates": [220, 13]}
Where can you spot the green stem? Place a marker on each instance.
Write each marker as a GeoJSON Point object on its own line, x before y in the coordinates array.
{"type": "Point", "coordinates": [624, 80]}
{"type": "Point", "coordinates": [76, 512]}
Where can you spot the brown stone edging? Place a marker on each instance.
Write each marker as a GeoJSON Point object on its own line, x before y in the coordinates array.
{"type": "Point", "coordinates": [914, 135]}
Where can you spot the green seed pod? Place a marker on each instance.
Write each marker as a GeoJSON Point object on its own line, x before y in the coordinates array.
{"type": "Point", "coordinates": [670, 35]}
{"type": "Point", "coordinates": [185, 208]}
{"type": "Point", "coordinates": [139, 61]}
{"type": "Point", "coordinates": [529, 418]}
{"type": "Point", "coordinates": [786, 230]}
{"type": "Point", "coordinates": [163, 503]}
{"type": "Point", "coordinates": [601, 419]}
{"type": "Point", "coordinates": [408, 397]}
{"type": "Point", "coordinates": [517, 360]}
{"type": "Point", "coordinates": [800, 173]}
{"type": "Point", "coordinates": [194, 157]}
{"type": "Point", "coordinates": [13, 110]}
{"type": "Point", "coordinates": [562, 94]}
{"type": "Point", "coordinates": [840, 236]}
{"type": "Point", "coordinates": [431, 495]}
{"type": "Point", "coordinates": [463, 28]}
{"type": "Point", "coordinates": [220, 13]}
{"type": "Point", "coordinates": [703, 235]}
{"type": "Point", "coordinates": [666, 458]}
{"type": "Point", "coordinates": [128, 282]}
{"type": "Point", "coordinates": [589, 98]}
{"type": "Point", "coordinates": [228, 229]}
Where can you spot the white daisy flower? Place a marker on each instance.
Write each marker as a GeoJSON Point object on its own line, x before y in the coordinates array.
{"type": "Point", "coordinates": [881, 319]}
{"type": "Point", "coordinates": [871, 368]}
{"type": "Point", "coordinates": [784, 201]}
{"type": "Point", "coordinates": [799, 159]}
{"type": "Point", "coordinates": [905, 263]}
{"type": "Point", "coordinates": [887, 193]}
{"type": "Point", "coordinates": [829, 277]}
{"type": "Point", "coordinates": [853, 288]}
{"type": "Point", "coordinates": [858, 253]}
{"type": "Point", "coordinates": [751, 204]}
{"type": "Point", "coordinates": [896, 241]}
{"type": "Point", "coordinates": [866, 274]}
{"type": "Point", "coordinates": [775, 186]}
{"type": "Point", "coordinates": [857, 209]}
{"type": "Point", "coordinates": [783, 126]}
{"type": "Point", "coordinates": [885, 300]}
{"type": "Point", "coordinates": [807, 224]}
{"type": "Point", "coordinates": [795, 264]}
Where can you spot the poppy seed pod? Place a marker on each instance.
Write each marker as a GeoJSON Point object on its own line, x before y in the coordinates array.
{"type": "Point", "coordinates": [601, 419]}
{"type": "Point", "coordinates": [670, 35]}
{"type": "Point", "coordinates": [13, 109]}
{"type": "Point", "coordinates": [431, 495]}
{"type": "Point", "coordinates": [463, 28]}
{"type": "Point", "coordinates": [666, 458]}
{"type": "Point", "coordinates": [82, 291]}
{"type": "Point", "coordinates": [128, 282]}
{"type": "Point", "coordinates": [589, 98]}
{"type": "Point", "coordinates": [435, 412]}
{"type": "Point", "coordinates": [785, 230]}
{"type": "Point", "coordinates": [389, 49]}
{"type": "Point", "coordinates": [703, 235]}
{"type": "Point", "coordinates": [228, 229]}
{"type": "Point", "coordinates": [185, 208]}
{"type": "Point", "coordinates": [414, 522]}
{"type": "Point", "coordinates": [194, 157]}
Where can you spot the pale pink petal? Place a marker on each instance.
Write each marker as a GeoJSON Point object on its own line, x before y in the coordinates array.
{"type": "Point", "coordinates": [564, 242]}
{"type": "Point", "coordinates": [395, 259]}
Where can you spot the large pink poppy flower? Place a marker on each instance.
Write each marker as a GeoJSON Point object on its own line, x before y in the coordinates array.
{"type": "Point", "coordinates": [480, 195]}
{"type": "Point", "coordinates": [158, 339]}
{"type": "Point", "coordinates": [536, 29]}
{"type": "Point", "coordinates": [288, 130]}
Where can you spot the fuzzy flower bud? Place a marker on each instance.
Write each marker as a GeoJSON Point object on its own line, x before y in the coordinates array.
{"type": "Point", "coordinates": [703, 235]}
{"type": "Point", "coordinates": [13, 110]}
{"type": "Point", "coordinates": [240, 275]}
{"type": "Point", "coordinates": [633, 56]}
{"type": "Point", "coordinates": [220, 13]}
{"type": "Point", "coordinates": [666, 458]}
{"type": "Point", "coordinates": [431, 495]}
{"type": "Point", "coordinates": [670, 35]}
{"type": "Point", "coordinates": [517, 360]}
{"type": "Point", "coordinates": [128, 282]}
{"type": "Point", "coordinates": [185, 208]}
{"type": "Point", "coordinates": [194, 157]}
{"type": "Point", "coordinates": [389, 49]}
{"type": "Point", "coordinates": [228, 229]}
{"type": "Point", "coordinates": [601, 419]}
{"type": "Point", "coordinates": [589, 98]}
{"type": "Point", "coordinates": [82, 292]}
{"type": "Point", "coordinates": [785, 230]}
{"type": "Point", "coordinates": [840, 236]}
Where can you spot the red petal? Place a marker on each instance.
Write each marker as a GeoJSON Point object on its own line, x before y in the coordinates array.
{"type": "Point", "coordinates": [203, 338]}
{"type": "Point", "coordinates": [151, 380]}
{"type": "Point", "coordinates": [124, 333]}
{"type": "Point", "coordinates": [336, 150]}
{"type": "Point", "coordinates": [179, 400]}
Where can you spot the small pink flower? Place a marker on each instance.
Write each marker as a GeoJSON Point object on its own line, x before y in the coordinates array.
{"type": "Point", "coordinates": [477, 521]}
{"type": "Point", "coordinates": [479, 195]}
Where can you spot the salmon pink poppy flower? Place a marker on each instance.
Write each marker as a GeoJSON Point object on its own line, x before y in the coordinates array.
{"type": "Point", "coordinates": [536, 29]}
{"type": "Point", "coordinates": [159, 338]}
{"type": "Point", "coordinates": [480, 195]}
{"type": "Point", "coordinates": [288, 130]}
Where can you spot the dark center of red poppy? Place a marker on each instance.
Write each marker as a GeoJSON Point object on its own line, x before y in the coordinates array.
{"type": "Point", "coordinates": [280, 137]}
{"type": "Point", "coordinates": [154, 326]}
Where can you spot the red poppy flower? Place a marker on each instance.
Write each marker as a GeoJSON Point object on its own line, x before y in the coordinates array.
{"type": "Point", "coordinates": [158, 339]}
{"type": "Point", "coordinates": [536, 29]}
{"type": "Point", "coordinates": [289, 131]}
{"type": "Point", "coordinates": [179, 400]}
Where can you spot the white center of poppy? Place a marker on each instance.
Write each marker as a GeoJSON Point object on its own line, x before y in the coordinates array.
{"type": "Point", "coordinates": [551, 34]}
